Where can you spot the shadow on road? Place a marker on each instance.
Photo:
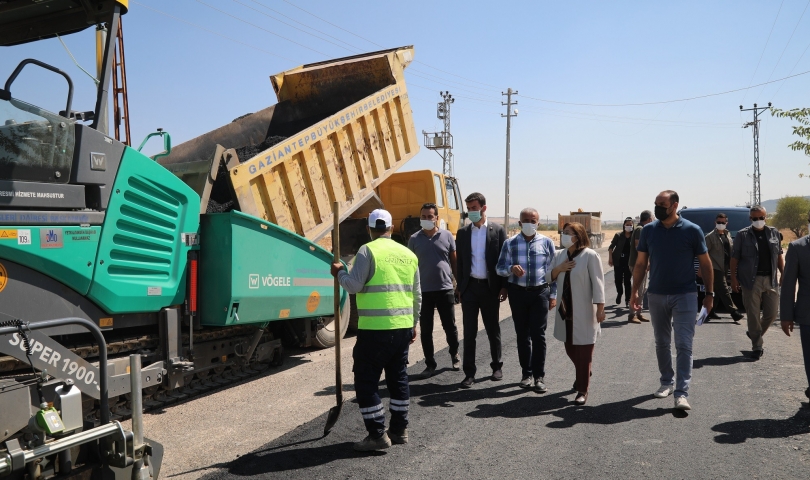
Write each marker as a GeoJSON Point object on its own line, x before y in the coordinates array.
{"type": "Point", "coordinates": [720, 361]}
{"type": "Point", "coordinates": [741, 430]}
{"type": "Point", "coordinates": [607, 413]}
{"type": "Point", "coordinates": [526, 406]}
{"type": "Point", "coordinates": [436, 395]}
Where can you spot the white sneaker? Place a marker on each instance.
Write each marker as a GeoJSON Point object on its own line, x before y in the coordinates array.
{"type": "Point", "coordinates": [682, 404]}
{"type": "Point", "coordinates": [664, 391]}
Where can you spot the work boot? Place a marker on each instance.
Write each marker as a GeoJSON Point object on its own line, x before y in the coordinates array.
{"type": "Point", "coordinates": [398, 438]}
{"type": "Point", "coordinates": [370, 444]}
{"type": "Point", "coordinates": [540, 385]}
{"type": "Point", "coordinates": [632, 318]}
{"type": "Point", "coordinates": [642, 317]}
{"type": "Point", "coordinates": [456, 362]}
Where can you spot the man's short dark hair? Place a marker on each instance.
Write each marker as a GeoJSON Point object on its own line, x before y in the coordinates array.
{"type": "Point", "coordinates": [721, 215]}
{"type": "Point", "coordinates": [673, 196]}
{"type": "Point", "coordinates": [429, 205]}
{"type": "Point", "coordinates": [756, 208]}
{"type": "Point", "coordinates": [645, 215]}
{"type": "Point", "coordinates": [476, 197]}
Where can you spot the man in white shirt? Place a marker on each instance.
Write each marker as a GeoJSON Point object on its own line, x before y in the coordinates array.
{"type": "Point", "coordinates": [479, 286]}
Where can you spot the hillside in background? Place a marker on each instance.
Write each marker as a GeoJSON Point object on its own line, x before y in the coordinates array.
{"type": "Point", "coordinates": [770, 205]}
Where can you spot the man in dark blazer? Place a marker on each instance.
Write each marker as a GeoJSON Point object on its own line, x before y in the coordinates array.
{"type": "Point", "coordinates": [795, 308]}
{"type": "Point", "coordinates": [479, 286]}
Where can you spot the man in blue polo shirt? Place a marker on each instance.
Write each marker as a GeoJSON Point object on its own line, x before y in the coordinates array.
{"type": "Point", "coordinates": [670, 245]}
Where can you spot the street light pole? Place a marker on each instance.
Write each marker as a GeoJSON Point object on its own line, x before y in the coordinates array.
{"type": "Point", "coordinates": [508, 116]}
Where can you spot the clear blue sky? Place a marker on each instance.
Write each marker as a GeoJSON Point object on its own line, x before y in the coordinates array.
{"type": "Point", "coordinates": [615, 159]}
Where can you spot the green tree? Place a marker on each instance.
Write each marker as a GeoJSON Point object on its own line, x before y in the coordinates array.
{"type": "Point", "coordinates": [801, 115]}
{"type": "Point", "coordinates": [791, 213]}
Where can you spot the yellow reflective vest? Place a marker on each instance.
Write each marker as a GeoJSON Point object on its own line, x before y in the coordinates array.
{"type": "Point", "coordinates": [386, 302]}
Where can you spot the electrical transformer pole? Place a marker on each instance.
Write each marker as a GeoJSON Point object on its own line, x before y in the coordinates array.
{"type": "Point", "coordinates": [755, 193]}
{"type": "Point", "coordinates": [508, 116]}
{"type": "Point", "coordinates": [442, 142]}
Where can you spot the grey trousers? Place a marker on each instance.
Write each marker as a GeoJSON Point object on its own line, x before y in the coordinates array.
{"type": "Point", "coordinates": [763, 296]}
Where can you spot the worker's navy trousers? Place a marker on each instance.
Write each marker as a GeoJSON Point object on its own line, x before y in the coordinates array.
{"type": "Point", "coordinates": [377, 351]}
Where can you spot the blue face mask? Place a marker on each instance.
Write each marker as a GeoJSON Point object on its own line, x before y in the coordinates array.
{"type": "Point", "coordinates": [474, 216]}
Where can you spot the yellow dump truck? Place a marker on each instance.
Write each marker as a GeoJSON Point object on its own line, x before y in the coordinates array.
{"type": "Point", "coordinates": [404, 193]}
{"type": "Point", "coordinates": [592, 221]}
{"type": "Point", "coordinates": [339, 131]}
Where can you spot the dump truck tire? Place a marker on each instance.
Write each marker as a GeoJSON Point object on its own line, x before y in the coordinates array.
{"type": "Point", "coordinates": [325, 337]}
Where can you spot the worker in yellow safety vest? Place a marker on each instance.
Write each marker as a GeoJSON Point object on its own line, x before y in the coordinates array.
{"type": "Point", "coordinates": [385, 277]}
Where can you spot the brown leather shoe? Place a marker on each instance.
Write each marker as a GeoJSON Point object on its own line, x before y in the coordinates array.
{"type": "Point", "coordinates": [632, 319]}
{"type": "Point", "coordinates": [642, 318]}
{"type": "Point", "coordinates": [581, 398]}
{"type": "Point", "coordinates": [497, 375]}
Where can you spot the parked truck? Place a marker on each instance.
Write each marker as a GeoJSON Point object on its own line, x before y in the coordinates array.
{"type": "Point", "coordinates": [198, 259]}
{"type": "Point", "coordinates": [592, 221]}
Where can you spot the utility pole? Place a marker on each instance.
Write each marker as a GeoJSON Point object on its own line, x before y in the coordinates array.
{"type": "Point", "coordinates": [508, 116]}
{"type": "Point", "coordinates": [442, 142]}
{"type": "Point", "coordinates": [756, 197]}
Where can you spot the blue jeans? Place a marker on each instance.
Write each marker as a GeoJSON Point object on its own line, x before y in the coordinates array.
{"type": "Point", "coordinates": [666, 312]}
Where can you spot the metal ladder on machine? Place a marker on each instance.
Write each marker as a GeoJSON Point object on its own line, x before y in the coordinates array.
{"type": "Point", "coordinates": [119, 81]}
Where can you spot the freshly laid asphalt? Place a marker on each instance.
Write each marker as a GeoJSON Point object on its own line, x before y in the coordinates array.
{"type": "Point", "coordinates": [750, 419]}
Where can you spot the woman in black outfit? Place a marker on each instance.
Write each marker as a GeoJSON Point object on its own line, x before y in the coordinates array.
{"type": "Point", "coordinates": [619, 259]}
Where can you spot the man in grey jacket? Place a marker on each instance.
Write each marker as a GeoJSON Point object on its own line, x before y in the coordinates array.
{"type": "Point", "coordinates": [719, 243]}
{"type": "Point", "coordinates": [755, 259]}
{"type": "Point", "coordinates": [797, 270]}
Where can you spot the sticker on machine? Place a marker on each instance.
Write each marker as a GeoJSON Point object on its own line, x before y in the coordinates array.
{"type": "Point", "coordinates": [50, 238]}
{"type": "Point", "coordinates": [8, 234]}
{"type": "Point", "coordinates": [3, 277]}
{"type": "Point", "coordinates": [23, 237]}
{"type": "Point", "coordinates": [313, 301]}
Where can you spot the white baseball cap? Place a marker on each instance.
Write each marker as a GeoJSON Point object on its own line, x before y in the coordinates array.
{"type": "Point", "coordinates": [380, 219]}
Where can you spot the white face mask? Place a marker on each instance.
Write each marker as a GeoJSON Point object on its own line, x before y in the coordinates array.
{"type": "Point", "coordinates": [427, 224]}
{"type": "Point", "coordinates": [758, 223]}
{"type": "Point", "coordinates": [720, 226]}
{"type": "Point", "coordinates": [628, 228]}
{"type": "Point", "coordinates": [528, 229]}
{"type": "Point", "coordinates": [566, 240]}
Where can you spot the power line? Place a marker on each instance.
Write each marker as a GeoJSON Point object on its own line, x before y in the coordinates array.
{"type": "Point", "coordinates": [787, 44]}
{"type": "Point", "coordinates": [763, 51]}
{"type": "Point", "coordinates": [330, 23]}
{"type": "Point", "coordinates": [307, 26]}
{"type": "Point", "coordinates": [211, 31]}
{"type": "Point", "coordinates": [260, 28]}
{"type": "Point", "coordinates": [791, 70]}
{"type": "Point", "coordinates": [291, 26]}
{"type": "Point", "coordinates": [378, 45]}
{"type": "Point", "coordinates": [663, 101]}
{"type": "Point", "coordinates": [443, 83]}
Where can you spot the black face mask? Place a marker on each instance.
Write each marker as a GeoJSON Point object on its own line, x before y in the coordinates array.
{"type": "Point", "coordinates": [661, 213]}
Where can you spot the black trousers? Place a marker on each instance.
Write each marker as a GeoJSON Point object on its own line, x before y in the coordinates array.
{"type": "Point", "coordinates": [530, 315]}
{"type": "Point", "coordinates": [444, 301]}
{"type": "Point", "coordinates": [377, 351]}
{"type": "Point", "coordinates": [478, 297]}
{"type": "Point", "coordinates": [623, 276]}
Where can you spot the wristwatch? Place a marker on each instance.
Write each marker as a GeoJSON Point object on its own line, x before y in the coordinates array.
{"type": "Point", "coordinates": [710, 293]}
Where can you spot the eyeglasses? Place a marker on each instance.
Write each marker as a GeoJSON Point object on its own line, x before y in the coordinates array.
{"type": "Point", "coordinates": [753, 219]}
